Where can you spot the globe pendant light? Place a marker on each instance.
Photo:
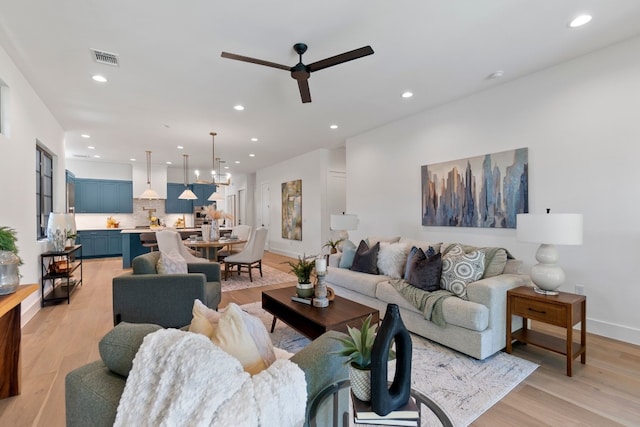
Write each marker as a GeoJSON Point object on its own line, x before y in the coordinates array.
{"type": "Point", "coordinates": [149, 193]}
{"type": "Point", "coordinates": [187, 194]}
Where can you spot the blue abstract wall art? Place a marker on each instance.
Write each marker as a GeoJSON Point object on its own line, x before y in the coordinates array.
{"type": "Point", "coordinates": [484, 191]}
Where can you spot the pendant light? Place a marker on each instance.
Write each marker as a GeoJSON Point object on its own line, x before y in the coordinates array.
{"type": "Point", "coordinates": [187, 194]}
{"type": "Point", "coordinates": [149, 193]}
{"type": "Point", "coordinates": [215, 196]}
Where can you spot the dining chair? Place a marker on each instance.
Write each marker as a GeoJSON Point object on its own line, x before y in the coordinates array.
{"type": "Point", "coordinates": [242, 232]}
{"type": "Point", "coordinates": [250, 257]}
{"type": "Point", "coordinates": [169, 240]}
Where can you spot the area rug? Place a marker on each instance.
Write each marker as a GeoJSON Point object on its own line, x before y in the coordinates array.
{"type": "Point", "coordinates": [270, 276]}
{"type": "Point", "coordinates": [464, 387]}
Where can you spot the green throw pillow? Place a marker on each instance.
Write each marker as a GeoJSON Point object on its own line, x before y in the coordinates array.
{"type": "Point", "coordinates": [120, 345]}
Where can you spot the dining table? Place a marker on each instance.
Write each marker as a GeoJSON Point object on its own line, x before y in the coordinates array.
{"type": "Point", "coordinates": [209, 248]}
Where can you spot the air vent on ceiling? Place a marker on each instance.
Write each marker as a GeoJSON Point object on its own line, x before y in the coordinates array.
{"type": "Point", "coordinates": [81, 155]}
{"type": "Point", "coordinates": [102, 57]}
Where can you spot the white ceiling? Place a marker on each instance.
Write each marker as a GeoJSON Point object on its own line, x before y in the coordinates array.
{"type": "Point", "coordinates": [173, 88]}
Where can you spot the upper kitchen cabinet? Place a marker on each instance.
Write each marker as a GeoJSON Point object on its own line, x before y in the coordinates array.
{"type": "Point", "coordinates": [203, 191]}
{"type": "Point", "coordinates": [103, 196]}
{"type": "Point", "coordinates": [173, 204]}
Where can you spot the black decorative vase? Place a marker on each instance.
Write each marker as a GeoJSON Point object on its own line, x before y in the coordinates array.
{"type": "Point", "coordinates": [385, 399]}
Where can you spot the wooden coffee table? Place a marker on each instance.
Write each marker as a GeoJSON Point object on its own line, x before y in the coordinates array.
{"type": "Point", "coordinates": [314, 321]}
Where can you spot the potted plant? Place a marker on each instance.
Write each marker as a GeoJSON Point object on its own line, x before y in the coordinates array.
{"type": "Point", "coordinates": [303, 269]}
{"type": "Point", "coordinates": [357, 348]}
{"type": "Point", "coordinates": [333, 245]}
{"type": "Point", "coordinates": [9, 261]}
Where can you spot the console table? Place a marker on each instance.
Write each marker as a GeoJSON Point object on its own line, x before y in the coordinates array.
{"type": "Point", "coordinates": [564, 310]}
{"type": "Point", "coordinates": [10, 336]}
{"type": "Point", "coordinates": [63, 269]}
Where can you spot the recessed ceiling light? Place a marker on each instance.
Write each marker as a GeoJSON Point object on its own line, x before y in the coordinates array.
{"type": "Point", "coordinates": [97, 156]}
{"type": "Point", "coordinates": [495, 75]}
{"type": "Point", "coordinates": [334, 126]}
{"type": "Point", "coordinates": [180, 147]}
{"type": "Point", "coordinates": [238, 107]}
{"type": "Point", "coordinates": [254, 139]}
{"type": "Point", "coordinates": [226, 167]}
{"type": "Point", "coordinates": [91, 147]}
{"type": "Point", "coordinates": [169, 163]}
{"type": "Point", "coordinates": [132, 159]}
{"type": "Point", "coordinates": [99, 78]}
{"type": "Point", "coordinates": [407, 94]}
{"type": "Point", "coordinates": [252, 155]}
{"type": "Point", "coordinates": [580, 20]}
{"type": "Point", "coordinates": [84, 135]}
{"type": "Point", "coordinates": [237, 162]}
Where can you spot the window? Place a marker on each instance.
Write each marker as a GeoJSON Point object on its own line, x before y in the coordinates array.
{"type": "Point", "coordinates": [44, 190]}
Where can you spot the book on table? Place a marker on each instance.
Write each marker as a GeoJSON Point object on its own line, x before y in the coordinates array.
{"type": "Point", "coordinates": [302, 300]}
{"type": "Point", "coordinates": [406, 415]}
{"type": "Point", "coordinates": [388, 422]}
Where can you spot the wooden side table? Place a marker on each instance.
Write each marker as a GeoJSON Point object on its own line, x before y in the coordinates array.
{"type": "Point", "coordinates": [564, 310]}
{"type": "Point", "coordinates": [10, 335]}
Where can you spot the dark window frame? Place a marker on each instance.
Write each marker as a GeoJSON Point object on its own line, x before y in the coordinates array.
{"type": "Point", "coordinates": [44, 190]}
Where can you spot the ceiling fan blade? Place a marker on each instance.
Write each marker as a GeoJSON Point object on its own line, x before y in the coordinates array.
{"type": "Point", "coordinates": [339, 59]}
{"type": "Point", "coordinates": [254, 61]}
{"type": "Point", "coordinates": [303, 85]}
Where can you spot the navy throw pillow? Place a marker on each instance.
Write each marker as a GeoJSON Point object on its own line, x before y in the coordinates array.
{"type": "Point", "coordinates": [366, 259]}
{"type": "Point", "coordinates": [424, 272]}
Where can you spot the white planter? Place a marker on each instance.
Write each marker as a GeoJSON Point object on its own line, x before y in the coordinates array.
{"type": "Point", "coordinates": [360, 383]}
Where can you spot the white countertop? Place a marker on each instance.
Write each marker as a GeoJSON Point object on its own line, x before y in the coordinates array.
{"type": "Point", "coordinates": [149, 230]}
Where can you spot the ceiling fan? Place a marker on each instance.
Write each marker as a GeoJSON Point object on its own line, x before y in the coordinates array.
{"type": "Point", "coordinates": [300, 71]}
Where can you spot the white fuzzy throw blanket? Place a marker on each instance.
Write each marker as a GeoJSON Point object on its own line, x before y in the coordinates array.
{"type": "Point", "coordinates": [183, 379]}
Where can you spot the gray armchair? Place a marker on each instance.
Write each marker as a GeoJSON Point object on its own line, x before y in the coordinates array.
{"type": "Point", "coordinates": [92, 391]}
{"type": "Point", "coordinates": [144, 296]}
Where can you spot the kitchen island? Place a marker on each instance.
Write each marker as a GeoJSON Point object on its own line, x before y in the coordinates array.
{"type": "Point", "coordinates": [132, 246]}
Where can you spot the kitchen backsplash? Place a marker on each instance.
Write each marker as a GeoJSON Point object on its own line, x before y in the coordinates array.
{"type": "Point", "coordinates": [139, 217]}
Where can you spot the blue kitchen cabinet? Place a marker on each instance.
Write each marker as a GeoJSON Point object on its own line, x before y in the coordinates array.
{"type": "Point", "coordinates": [203, 191]}
{"type": "Point", "coordinates": [173, 204]}
{"type": "Point", "coordinates": [100, 243]}
{"type": "Point", "coordinates": [103, 196]}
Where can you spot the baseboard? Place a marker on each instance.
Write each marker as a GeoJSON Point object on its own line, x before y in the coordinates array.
{"type": "Point", "coordinates": [30, 307]}
{"type": "Point", "coordinates": [284, 253]}
{"type": "Point", "coordinates": [614, 331]}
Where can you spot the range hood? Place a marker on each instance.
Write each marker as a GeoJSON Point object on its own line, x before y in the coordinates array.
{"type": "Point", "coordinates": [158, 179]}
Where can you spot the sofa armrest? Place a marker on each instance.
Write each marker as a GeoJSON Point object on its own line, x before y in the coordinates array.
{"type": "Point", "coordinates": [320, 364]}
{"type": "Point", "coordinates": [92, 394]}
{"type": "Point", "coordinates": [211, 270]}
{"type": "Point", "coordinates": [492, 292]}
{"type": "Point", "coordinates": [163, 299]}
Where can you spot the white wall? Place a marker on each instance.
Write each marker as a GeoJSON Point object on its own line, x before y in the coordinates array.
{"type": "Point", "coordinates": [29, 120]}
{"type": "Point", "coordinates": [100, 170]}
{"type": "Point", "coordinates": [580, 122]}
{"type": "Point", "coordinates": [312, 169]}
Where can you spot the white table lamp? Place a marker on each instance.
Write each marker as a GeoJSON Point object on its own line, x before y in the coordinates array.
{"type": "Point", "coordinates": [549, 230]}
{"type": "Point", "coordinates": [344, 223]}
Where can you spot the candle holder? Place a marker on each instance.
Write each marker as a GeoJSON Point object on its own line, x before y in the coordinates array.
{"type": "Point", "coordinates": [320, 297]}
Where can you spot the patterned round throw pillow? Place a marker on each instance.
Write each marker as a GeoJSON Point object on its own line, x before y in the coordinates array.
{"type": "Point", "coordinates": [460, 270]}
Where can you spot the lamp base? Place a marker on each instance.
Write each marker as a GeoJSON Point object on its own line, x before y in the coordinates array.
{"type": "Point", "coordinates": [544, 292]}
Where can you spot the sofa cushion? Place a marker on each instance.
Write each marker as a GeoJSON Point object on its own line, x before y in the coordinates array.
{"type": "Point", "coordinates": [392, 259]}
{"type": "Point", "coordinates": [232, 336]}
{"type": "Point", "coordinates": [372, 240]}
{"type": "Point", "coordinates": [120, 345]}
{"type": "Point", "coordinates": [460, 270]}
{"type": "Point", "coordinates": [424, 271]}
{"type": "Point", "coordinates": [358, 282]}
{"type": "Point", "coordinates": [495, 259]}
{"type": "Point", "coordinates": [366, 259]}
{"type": "Point", "coordinates": [424, 245]}
{"type": "Point", "coordinates": [348, 253]}
{"type": "Point", "coordinates": [145, 263]}
{"type": "Point", "coordinates": [456, 311]}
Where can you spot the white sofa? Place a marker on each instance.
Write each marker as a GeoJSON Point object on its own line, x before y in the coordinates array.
{"type": "Point", "coordinates": [476, 327]}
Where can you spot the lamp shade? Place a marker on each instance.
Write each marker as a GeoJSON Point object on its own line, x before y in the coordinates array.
{"type": "Point", "coordinates": [187, 195]}
{"type": "Point", "coordinates": [149, 193]}
{"type": "Point", "coordinates": [550, 228]}
{"type": "Point", "coordinates": [344, 222]}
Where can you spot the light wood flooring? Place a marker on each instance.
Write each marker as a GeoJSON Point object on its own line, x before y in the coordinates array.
{"type": "Point", "coordinates": [604, 392]}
